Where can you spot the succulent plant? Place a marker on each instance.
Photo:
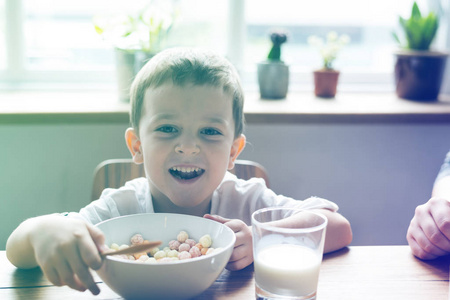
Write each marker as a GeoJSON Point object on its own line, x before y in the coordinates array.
{"type": "Point", "coordinates": [419, 31]}
{"type": "Point", "coordinates": [277, 38]}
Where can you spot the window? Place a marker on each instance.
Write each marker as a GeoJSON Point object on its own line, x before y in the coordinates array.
{"type": "Point", "coordinates": [2, 36]}
{"type": "Point", "coordinates": [50, 41]}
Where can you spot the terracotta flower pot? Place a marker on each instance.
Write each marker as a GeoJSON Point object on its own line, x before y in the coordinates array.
{"type": "Point", "coordinates": [325, 83]}
{"type": "Point", "coordinates": [419, 74]}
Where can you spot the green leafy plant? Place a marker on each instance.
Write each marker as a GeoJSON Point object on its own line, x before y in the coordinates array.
{"type": "Point", "coordinates": [146, 30]}
{"type": "Point", "coordinates": [419, 31]}
{"type": "Point", "coordinates": [277, 38]}
{"type": "Point", "coordinates": [330, 47]}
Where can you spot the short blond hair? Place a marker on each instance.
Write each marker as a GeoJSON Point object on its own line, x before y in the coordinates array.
{"type": "Point", "coordinates": [183, 66]}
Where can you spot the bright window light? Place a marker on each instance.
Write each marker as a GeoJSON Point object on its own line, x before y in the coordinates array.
{"type": "Point", "coordinates": [2, 36]}
{"type": "Point", "coordinates": [55, 41]}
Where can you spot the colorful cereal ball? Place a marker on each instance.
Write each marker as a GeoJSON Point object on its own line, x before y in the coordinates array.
{"type": "Point", "coordinates": [172, 253]}
{"type": "Point", "coordinates": [182, 236]}
{"type": "Point", "coordinates": [151, 260]}
{"type": "Point", "coordinates": [137, 239]}
{"type": "Point", "coordinates": [190, 242]}
{"type": "Point", "coordinates": [204, 250]}
{"type": "Point", "coordinates": [166, 259]}
{"type": "Point", "coordinates": [138, 255]}
{"type": "Point", "coordinates": [195, 252]}
{"type": "Point", "coordinates": [206, 241]}
{"type": "Point", "coordinates": [114, 246]}
{"type": "Point", "coordinates": [184, 247]}
{"type": "Point", "coordinates": [124, 246]}
{"type": "Point", "coordinates": [153, 251]}
{"type": "Point", "coordinates": [184, 255]}
{"type": "Point", "coordinates": [143, 258]}
{"type": "Point", "coordinates": [210, 250]}
{"type": "Point", "coordinates": [174, 244]}
{"type": "Point", "coordinates": [160, 254]}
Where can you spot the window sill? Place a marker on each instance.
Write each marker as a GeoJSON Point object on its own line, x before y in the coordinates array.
{"type": "Point", "coordinates": [103, 107]}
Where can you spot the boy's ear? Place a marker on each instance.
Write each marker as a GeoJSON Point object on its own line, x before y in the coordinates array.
{"type": "Point", "coordinates": [134, 145]}
{"type": "Point", "coordinates": [236, 149]}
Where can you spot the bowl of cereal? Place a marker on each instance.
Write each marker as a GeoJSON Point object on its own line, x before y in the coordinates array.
{"type": "Point", "coordinates": [193, 253]}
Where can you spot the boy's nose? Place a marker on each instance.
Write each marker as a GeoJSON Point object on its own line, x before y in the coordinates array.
{"type": "Point", "coordinates": [187, 149]}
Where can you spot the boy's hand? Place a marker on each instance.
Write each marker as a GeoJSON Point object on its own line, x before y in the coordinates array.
{"type": "Point", "coordinates": [242, 255]}
{"type": "Point", "coordinates": [65, 249]}
{"type": "Point", "coordinates": [429, 232]}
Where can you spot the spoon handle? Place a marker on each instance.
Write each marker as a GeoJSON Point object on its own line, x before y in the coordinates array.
{"type": "Point", "coordinates": [132, 249]}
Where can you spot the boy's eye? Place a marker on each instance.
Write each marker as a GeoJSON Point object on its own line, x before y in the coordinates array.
{"type": "Point", "coordinates": [210, 131]}
{"type": "Point", "coordinates": [167, 129]}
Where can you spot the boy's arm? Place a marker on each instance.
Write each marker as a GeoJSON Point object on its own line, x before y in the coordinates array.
{"type": "Point", "coordinates": [64, 248]}
{"type": "Point", "coordinates": [339, 232]}
{"type": "Point", "coordinates": [18, 247]}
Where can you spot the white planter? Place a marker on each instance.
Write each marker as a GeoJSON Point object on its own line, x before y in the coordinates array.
{"type": "Point", "coordinates": [128, 64]}
{"type": "Point", "coordinates": [273, 79]}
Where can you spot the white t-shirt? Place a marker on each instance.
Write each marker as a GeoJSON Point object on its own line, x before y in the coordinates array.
{"type": "Point", "coordinates": [234, 199]}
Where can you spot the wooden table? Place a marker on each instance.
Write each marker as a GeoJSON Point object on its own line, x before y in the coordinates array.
{"type": "Point", "coordinates": [365, 272]}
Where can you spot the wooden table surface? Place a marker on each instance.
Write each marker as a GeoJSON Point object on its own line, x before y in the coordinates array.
{"type": "Point", "coordinates": [357, 272]}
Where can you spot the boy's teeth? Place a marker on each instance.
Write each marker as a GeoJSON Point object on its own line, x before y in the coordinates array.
{"type": "Point", "coordinates": [185, 170]}
{"type": "Point", "coordinates": [186, 173]}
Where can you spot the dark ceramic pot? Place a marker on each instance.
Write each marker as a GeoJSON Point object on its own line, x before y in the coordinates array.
{"type": "Point", "coordinates": [418, 74]}
{"type": "Point", "coordinates": [325, 83]}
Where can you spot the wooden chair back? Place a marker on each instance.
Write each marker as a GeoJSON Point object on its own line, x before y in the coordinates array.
{"type": "Point", "coordinates": [113, 173]}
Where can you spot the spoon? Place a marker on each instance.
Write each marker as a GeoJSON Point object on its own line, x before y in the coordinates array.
{"type": "Point", "coordinates": [133, 249]}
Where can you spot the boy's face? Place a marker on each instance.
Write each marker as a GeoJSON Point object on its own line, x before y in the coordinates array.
{"type": "Point", "coordinates": [186, 142]}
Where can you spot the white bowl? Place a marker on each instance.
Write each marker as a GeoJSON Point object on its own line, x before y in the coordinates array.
{"type": "Point", "coordinates": [173, 280]}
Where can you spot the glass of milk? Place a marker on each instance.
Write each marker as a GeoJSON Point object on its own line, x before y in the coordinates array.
{"type": "Point", "coordinates": [287, 250]}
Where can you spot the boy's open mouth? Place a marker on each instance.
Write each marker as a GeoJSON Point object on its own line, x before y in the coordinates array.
{"type": "Point", "coordinates": [185, 173]}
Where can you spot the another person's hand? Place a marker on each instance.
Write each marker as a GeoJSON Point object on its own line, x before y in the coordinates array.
{"type": "Point", "coordinates": [65, 249]}
{"type": "Point", "coordinates": [242, 255]}
{"type": "Point", "coordinates": [429, 232]}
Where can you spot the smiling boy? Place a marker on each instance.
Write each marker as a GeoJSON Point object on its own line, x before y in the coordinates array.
{"type": "Point", "coordinates": [187, 130]}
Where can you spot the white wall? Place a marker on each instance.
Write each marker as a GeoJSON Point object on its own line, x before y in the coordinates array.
{"type": "Point", "coordinates": [376, 173]}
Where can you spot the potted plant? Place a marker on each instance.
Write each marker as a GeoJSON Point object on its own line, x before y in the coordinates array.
{"type": "Point", "coordinates": [135, 38]}
{"type": "Point", "coordinates": [419, 70]}
{"type": "Point", "coordinates": [326, 78]}
{"type": "Point", "coordinates": [273, 73]}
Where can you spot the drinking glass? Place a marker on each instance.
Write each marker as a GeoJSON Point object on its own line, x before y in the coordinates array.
{"type": "Point", "coordinates": [287, 250]}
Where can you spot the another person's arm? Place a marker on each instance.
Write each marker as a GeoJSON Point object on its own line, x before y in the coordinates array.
{"type": "Point", "coordinates": [441, 188]}
{"type": "Point", "coordinates": [429, 231]}
{"type": "Point", "coordinates": [64, 248]}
